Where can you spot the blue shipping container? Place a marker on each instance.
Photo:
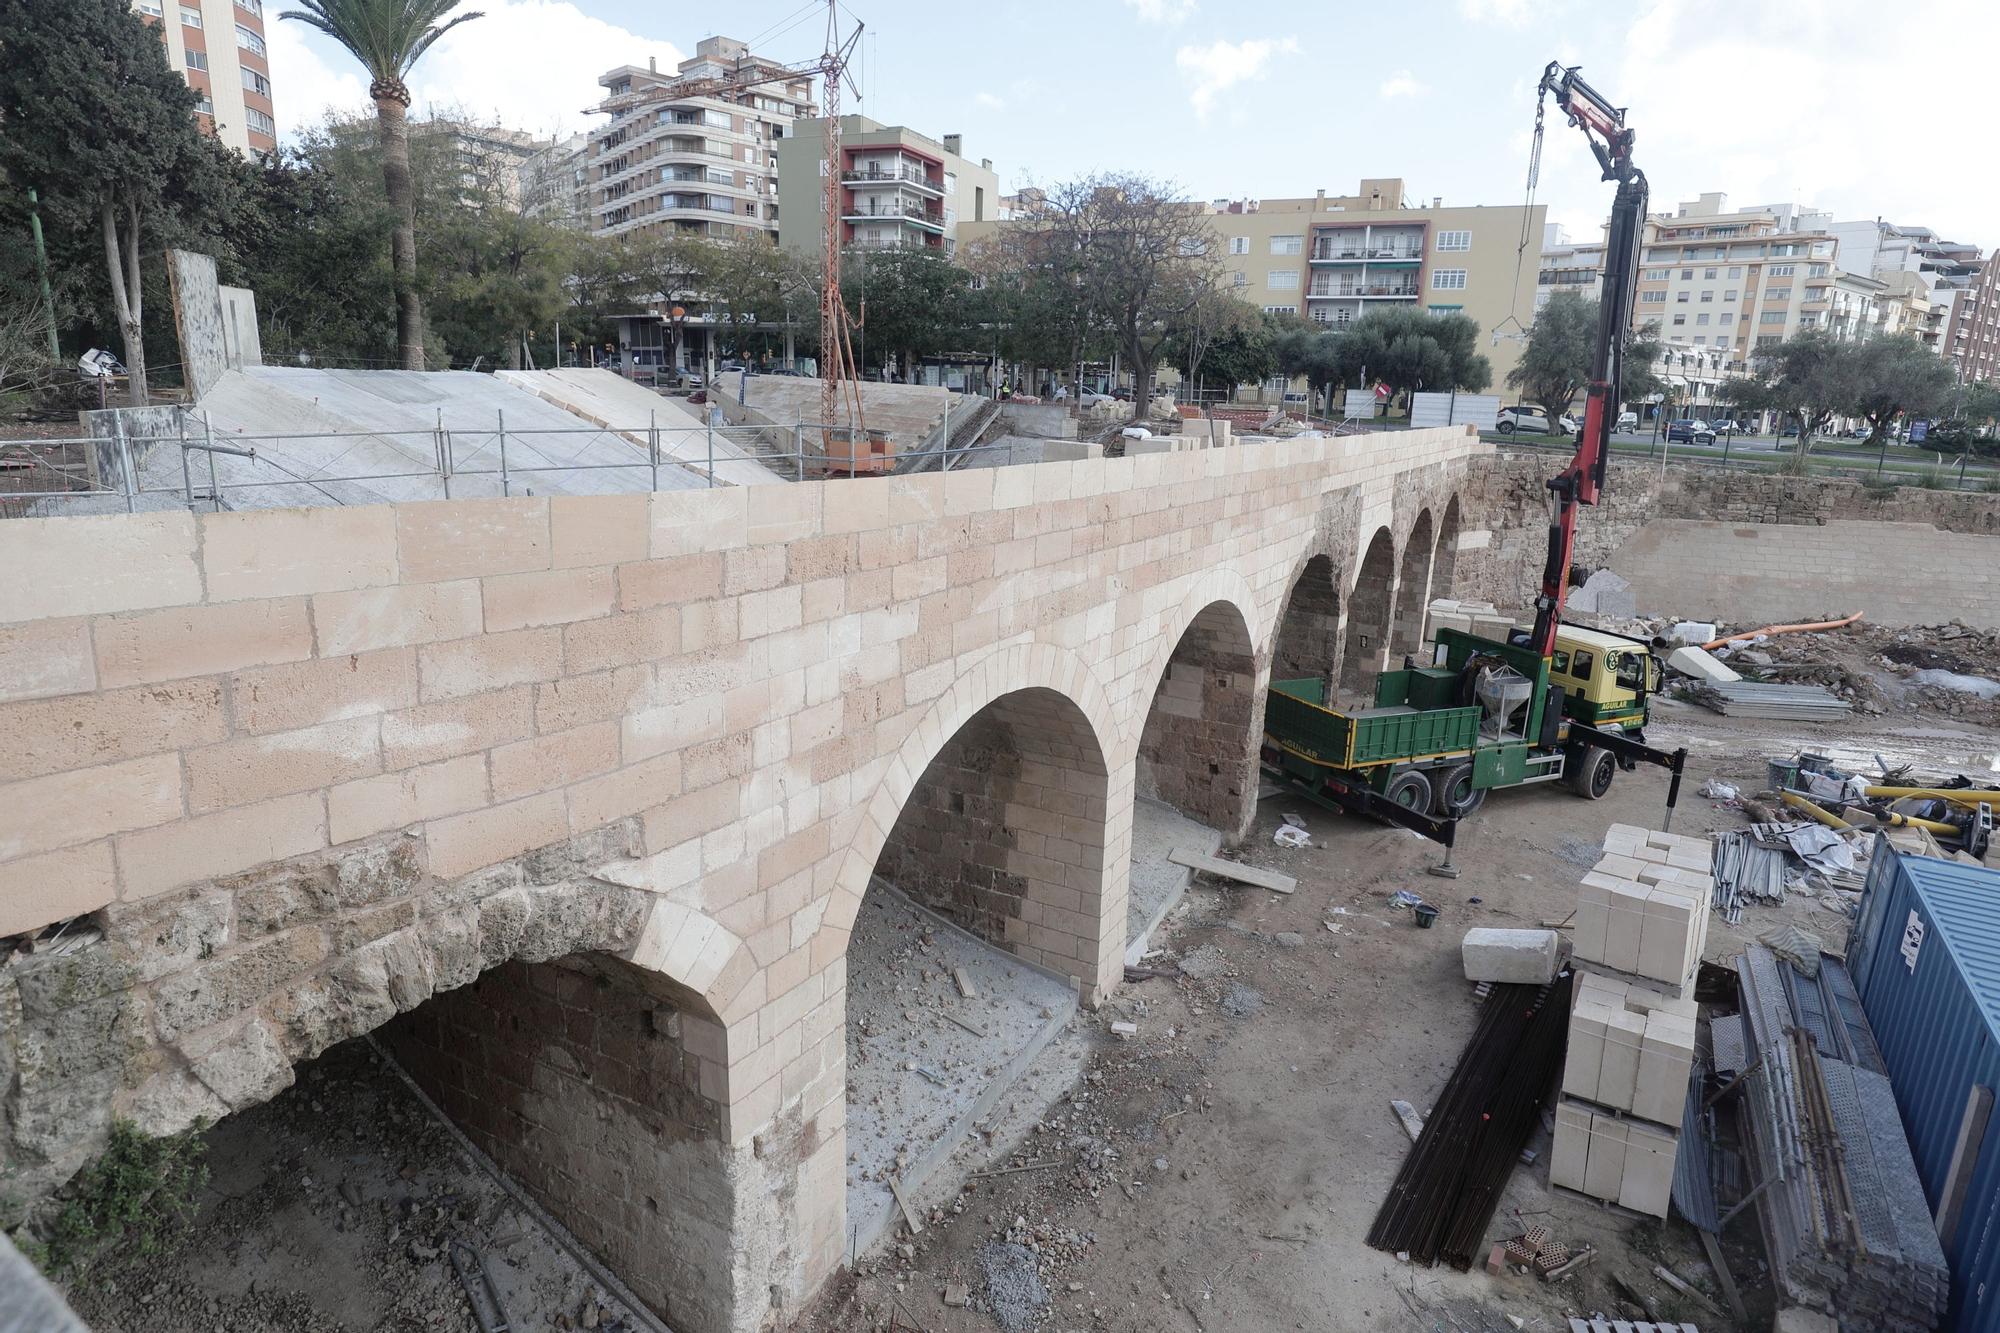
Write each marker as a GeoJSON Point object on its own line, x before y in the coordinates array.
{"type": "Point", "coordinates": [1925, 954]}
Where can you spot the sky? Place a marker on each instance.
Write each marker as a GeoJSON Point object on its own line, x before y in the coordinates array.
{"type": "Point", "coordinates": [1864, 108]}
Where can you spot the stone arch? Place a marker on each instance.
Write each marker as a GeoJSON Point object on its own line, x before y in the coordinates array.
{"type": "Point", "coordinates": [1042, 691]}
{"type": "Point", "coordinates": [1197, 745]}
{"type": "Point", "coordinates": [1444, 564]}
{"type": "Point", "coordinates": [1413, 582]}
{"type": "Point", "coordinates": [1370, 604]}
{"type": "Point", "coordinates": [1305, 640]}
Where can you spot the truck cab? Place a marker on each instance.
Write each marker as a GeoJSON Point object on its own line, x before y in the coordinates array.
{"type": "Point", "coordinates": [1606, 679]}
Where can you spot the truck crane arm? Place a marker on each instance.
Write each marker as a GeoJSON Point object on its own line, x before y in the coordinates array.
{"type": "Point", "coordinates": [1582, 481]}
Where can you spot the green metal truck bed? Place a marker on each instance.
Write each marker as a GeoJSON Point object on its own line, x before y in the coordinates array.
{"type": "Point", "coordinates": [1295, 717]}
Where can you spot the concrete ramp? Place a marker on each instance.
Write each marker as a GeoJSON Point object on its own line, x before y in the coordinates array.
{"type": "Point", "coordinates": [605, 398]}
{"type": "Point", "coordinates": [908, 412]}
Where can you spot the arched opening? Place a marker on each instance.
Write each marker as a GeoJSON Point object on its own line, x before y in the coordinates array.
{"type": "Point", "coordinates": [1369, 607]}
{"type": "Point", "coordinates": [1444, 565]}
{"type": "Point", "coordinates": [1413, 598]}
{"type": "Point", "coordinates": [1308, 642]}
{"type": "Point", "coordinates": [983, 921]}
{"type": "Point", "coordinates": [1195, 782]}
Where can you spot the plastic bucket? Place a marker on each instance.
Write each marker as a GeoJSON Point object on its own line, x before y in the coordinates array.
{"type": "Point", "coordinates": [1426, 916]}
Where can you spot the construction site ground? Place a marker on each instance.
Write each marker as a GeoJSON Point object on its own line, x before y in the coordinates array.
{"type": "Point", "coordinates": [1217, 1171]}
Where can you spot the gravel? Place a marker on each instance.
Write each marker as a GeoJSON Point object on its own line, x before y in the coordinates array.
{"type": "Point", "coordinates": [1014, 1288]}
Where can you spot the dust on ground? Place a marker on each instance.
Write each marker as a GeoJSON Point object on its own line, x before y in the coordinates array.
{"type": "Point", "coordinates": [331, 1209]}
{"type": "Point", "coordinates": [1220, 1170]}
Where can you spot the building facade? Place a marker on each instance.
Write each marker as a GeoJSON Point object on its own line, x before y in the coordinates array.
{"type": "Point", "coordinates": [695, 150]}
{"type": "Point", "coordinates": [490, 159]}
{"type": "Point", "coordinates": [899, 189]}
{"type": "Point", "coordinates": [1568, 266]}
{"type": "Point", "coordinates": [218, 46]}
{"type": "Point", "coordinates": [1972, 332]}
{"type": "Point", "coordinates": [555, 182]}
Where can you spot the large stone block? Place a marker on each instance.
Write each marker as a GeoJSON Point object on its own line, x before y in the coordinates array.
{"type": "Point", "coordinates": [1515, 957]}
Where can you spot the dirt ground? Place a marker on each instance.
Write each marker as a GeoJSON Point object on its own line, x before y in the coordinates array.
{"type": "Point", "coordinates": [1220, 1170]}
{"type": "Point", "coordinates": [1217, 1172]}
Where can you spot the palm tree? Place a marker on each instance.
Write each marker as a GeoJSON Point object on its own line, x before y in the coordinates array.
{"type": "Point", "coordinates": [388, 37]}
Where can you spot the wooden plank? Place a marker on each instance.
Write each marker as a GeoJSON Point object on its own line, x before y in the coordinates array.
{"type": "Point", "coordinates": [909, 1213]}
{"type": "Point", "coordinates": [965, 986]}
{"type": "Point", "coordinates": [1725, 1277]}
{"type": "Point", "coordinates": [1242, 874]}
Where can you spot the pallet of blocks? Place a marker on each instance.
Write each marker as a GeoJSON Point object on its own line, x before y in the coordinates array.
{"type": "Point", "coordinates": [1625, 1075]}
{"type": "Point", "coordinates": [1642, 911]}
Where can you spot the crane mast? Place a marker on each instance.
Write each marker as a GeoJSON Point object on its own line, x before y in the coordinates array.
{"type": "Point", "coordinates": [1582, 481]}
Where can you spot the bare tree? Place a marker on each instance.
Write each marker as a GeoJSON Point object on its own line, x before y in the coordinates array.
{"type": "Point", "coordinates": [1142, 258]}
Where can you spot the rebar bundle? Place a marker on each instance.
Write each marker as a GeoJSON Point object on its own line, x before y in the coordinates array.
{"type": "Point", "coordinates": [1450, 1184]}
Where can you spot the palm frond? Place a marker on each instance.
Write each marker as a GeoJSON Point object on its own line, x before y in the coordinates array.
{"type": "Point", "coordinates": [386, 36]}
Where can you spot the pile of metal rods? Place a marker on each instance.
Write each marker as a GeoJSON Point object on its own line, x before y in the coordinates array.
{"type": "Point", "coordinates": [1450, 1184]}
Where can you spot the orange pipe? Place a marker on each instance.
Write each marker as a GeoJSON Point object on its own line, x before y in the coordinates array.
{"type": "Point", "coordinates": [1782, 629]}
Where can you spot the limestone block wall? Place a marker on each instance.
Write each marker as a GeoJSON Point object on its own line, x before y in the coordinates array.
{"type": "Point", "coordinates": [1190, 752]}
{"type": "Point", "coordinates": [735, 698]}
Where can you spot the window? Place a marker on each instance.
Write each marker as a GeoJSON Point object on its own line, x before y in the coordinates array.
{"type": "Point", "coordinates": [150, 7]}
{"type": "Point", "coordinates": [1579, 667]}
{"type": "Point", "coordinates": [1288, 245]}
{"type": "Point", "coordinates": [1239, 245]}
{"type": "Point", "coordinates": [1706, 297]}
{"type": "Point", "coordinates": [1768, 340]}
{"type": "Point", "coordinates": [1242, 279]}
{"type": "Point", "coordinates": [1726, 320]}
{"type": "Point", "coordinates": [1681, 298]}
{"type": "Point", "coordinates": [1629, 670]}
{"type": "Point", "coordinates": [1735, 273]}
{"type": "Point", "coordinates": [1448, 280]}
{"type": "Point", "coordinates": [1817, 270]}
{"type": "Point", "coordinates": [1658, 274]}
{"type": "Point", "coordinates": [196, 59]}
{"type": "Point", "coordinates": [1454, 240]}
{"type": "Point", "coordinates": [1687, 275]}
{"type": "Point", "coordinates": [190, 18]}
{"type": "Point", "coordinates": [1780, 270]}
{"type": "Point", "coordinates": [1680, 320]}
{"type": "Point", "coordinates": [1774, 294]}
{"type": "Point", "coordinates": [1708, 275]}
{"type": "Point", "coordinates": [259, 122]}
{"type": "Point", "coordinates": [203, 106]}
{"type": "Point", "coordinates": [1729, 295]}
{"type": "Point", "coordinates": [249, 40]}
{"type": "Point", "coordinates": [1281, 310]}
{"type": "Point", "coordinates": [1446, 309]}
{"type": "Point", "coordinates": [1701, 318]}
{"type": "Point", "coordinates": [1282, 279]}
{"type": "Point", "coordinates": [1191, 246]}
{"type": "Point", "coordinates": [1771, 317]}
{"type": "Point", "coordinates": [251, 7]}
{"type": "Point", "coordinates": [1652, 298]}
{"type": "Point", "coordinates": [256, 82]}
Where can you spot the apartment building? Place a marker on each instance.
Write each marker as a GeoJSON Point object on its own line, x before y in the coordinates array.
{"type": "Point", "coordinates": [555, 182]}
{"type": "Point", "coordinates": [1332, 259]}
{"type": "Point", "coordinates": [1568, 265]}
{"type": "Point", "coordinates": [1972, 332]}
{"type": "Point", "coordinates": [1746, 279]}
{"type": "Point", "coordinates": [696, 150]}
{"type": "Point", "coordinates": [218, 46]}
{"type": "Point", "coordinates": [898, 189]}
{"type": "Point", "coordinates": [490, 158]}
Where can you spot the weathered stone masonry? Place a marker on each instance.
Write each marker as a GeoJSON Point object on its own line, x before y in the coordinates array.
{"type": "Point", "coordinates": [310, 768]}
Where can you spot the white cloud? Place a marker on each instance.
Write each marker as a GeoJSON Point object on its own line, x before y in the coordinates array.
{"type": "Point", "coordinates": [1222, 65]}
{"type": "Point", "coordinates": [1403, 84]}
{"type": "Point", "coordinates": [989, 101]}
{"type": "Point", "coordinates": [1162, 11]}
{"type": "Point", "coordinates": [528, 64]}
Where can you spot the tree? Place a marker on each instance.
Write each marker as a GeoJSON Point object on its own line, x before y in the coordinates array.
{"type": "Point", "coordinates": [1135, 256]}
{"type": "Point", "coordinates": [1195, 333]}
{"type": "Point", "coordinates": [388, 37]}
{"type": "Point", "coordinates": [667, 266]}
{"type": "Point", "coordinates": [1892, 375]}
{"type": "Point", "coordinates": [1323, 358]}
{"type": "Point", "coordinates": [1406, 349]}
{"type": "Point", "coordinates": [1243, 350]}
{"type": "Point", "coordinates": [104, 129]}
{"type": "Point", "coordinates": [1808, 376]}
{"type": "Point", "coordinates": [1555, 365]}
{"type": "Point", "coordinates": [911, 302]}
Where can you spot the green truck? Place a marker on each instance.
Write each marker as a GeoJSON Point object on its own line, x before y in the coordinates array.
{"type": "Point", "coordinates": [1484, 714]}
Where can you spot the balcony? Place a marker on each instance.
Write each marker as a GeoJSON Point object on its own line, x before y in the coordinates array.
{"type": "Point", "coordinates": [1373, 254]}
{"type": "Point", "coordinates": [1364, 290]}
{"type": "Point", "coordinates": [912, 213]}
{"type": "Point", "coordinates": [871, 175]}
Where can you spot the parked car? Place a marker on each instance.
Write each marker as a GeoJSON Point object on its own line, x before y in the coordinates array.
{"type": "Point", "coordinates": [1724, 426]}
{"type": "Point", "coordinates": [1628, 421]}
{"type": "Point", "coordinates": [1526, 417]}
{"type": "Point", "coordinates": [1691, 431]}
{"type": "Point", "coordinates": [1861, 432]}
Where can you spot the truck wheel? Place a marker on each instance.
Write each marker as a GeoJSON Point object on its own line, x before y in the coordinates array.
{"type": "Point", "coordinates": [1591, 777]}
{"type": "Point", "coordinates": [1455, 796]}
{"type": "Point", "coordinates": [1410, 789]}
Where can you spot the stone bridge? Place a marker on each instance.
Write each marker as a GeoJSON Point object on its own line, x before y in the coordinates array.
{"type": "Point", "coordinates": [575, 799]}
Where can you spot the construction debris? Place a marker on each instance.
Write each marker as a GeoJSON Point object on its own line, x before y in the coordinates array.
{"type": "Point", "coordinates": [1233, 870]}
{"type": "Point", "coordinates": [1767, 699]}
{"type": "Point", "coordinates": [1838, 1198]}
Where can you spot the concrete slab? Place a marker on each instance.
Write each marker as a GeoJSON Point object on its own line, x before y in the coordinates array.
{"type": "Point", "coordinates": [604, 398]}
{"type": "Point", "coordinates": [1157, 883]}
{"type": "Point", "coordinates": [908, 412]}
{"type": "Point", "coordinates": [900, 988]}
